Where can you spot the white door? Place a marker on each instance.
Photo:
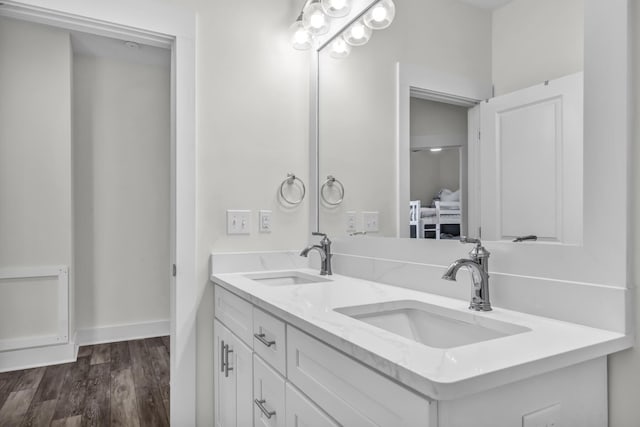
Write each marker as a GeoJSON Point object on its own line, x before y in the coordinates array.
{"type": "Point", "coordinates": [531, 162]}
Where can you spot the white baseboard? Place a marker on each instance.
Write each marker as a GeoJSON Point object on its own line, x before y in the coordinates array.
{"type": "Point", "coordinates": [117, 333]}
{"type": "Point", "coordinates": [38, 356]}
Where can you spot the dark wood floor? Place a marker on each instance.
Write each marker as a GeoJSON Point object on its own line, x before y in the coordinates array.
{"type": "Point", "coordinates": [117, 384]}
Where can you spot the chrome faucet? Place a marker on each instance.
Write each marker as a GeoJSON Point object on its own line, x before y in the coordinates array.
{"type": "Point", "coordinates": [478, 264]}
{"type": "Point", "coordinates": [324, 249]}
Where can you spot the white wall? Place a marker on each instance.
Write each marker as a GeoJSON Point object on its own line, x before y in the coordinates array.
{"type": "Point", "coordinates": [358, 99]}
{"type": "Point", "coordinates": [624, 367]}
{"type": "Point", "coordinates": [536, 40]}
{"type": "Point", "coordinates": [252, 113]}
{"type": "Point", "coordinates": [35, 165]}
{"type": "Point", "coordinates": [121, 191]}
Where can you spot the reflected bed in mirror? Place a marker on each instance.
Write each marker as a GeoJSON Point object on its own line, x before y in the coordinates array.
{"type": "Point", "coordinates": [451, 74]}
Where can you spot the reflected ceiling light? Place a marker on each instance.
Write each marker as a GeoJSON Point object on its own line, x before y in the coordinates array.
{"type": "Point", "coordinates": [314, 19]}
{"type": "Point", "coordinates": [301, 39]}
{"type": "Point", "coordinates": [336, 8]}
{"type": "Point", "coordinates": [435, 150]}
{"type": "Point", "coordinates": [381, 15]}
{"type": "Point", "coordinates": [339, 48]}
{"type": "Point", "coordinates": [357, 34]}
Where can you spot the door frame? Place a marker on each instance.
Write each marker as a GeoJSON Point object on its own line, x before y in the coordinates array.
{"type": "Point", "coordinates": [174, 28]}
{"type": "Point", "coordinates": [425, 83]}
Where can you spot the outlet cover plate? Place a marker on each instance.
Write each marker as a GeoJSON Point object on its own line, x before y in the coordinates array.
{"type": "Point", "coordinates": [264, 221]}
{"type": "Point", "coordinates": [351, 222]}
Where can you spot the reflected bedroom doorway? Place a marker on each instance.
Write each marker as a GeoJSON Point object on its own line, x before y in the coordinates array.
{"type": "Point", "coordinates": [438, 164]}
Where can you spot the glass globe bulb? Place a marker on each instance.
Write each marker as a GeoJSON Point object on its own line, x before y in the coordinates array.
{"type": "Point", "coordinates": [381, 15]}
{"type": "Point", "coordinates": [339, 48]}
{"type": "Point", "coordinates": [300, 37]}
{"type": "Point", "coordinates": [314, 19]}
{"type": "Point", "coordinates": [357, 34]}
{"type": "Point", "coordinates": [336, 8]}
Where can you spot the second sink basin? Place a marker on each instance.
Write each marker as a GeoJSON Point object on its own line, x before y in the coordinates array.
{"type": "Point", "coordinates": [431, 325]}
{"type": "Point", "coordinates": [285, 278]}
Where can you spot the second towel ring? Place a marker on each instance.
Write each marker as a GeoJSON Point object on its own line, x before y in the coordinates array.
{"type": "Point", "coordinates": [330, 182]}
{"type": "Point", "coordinates": [290, 180]}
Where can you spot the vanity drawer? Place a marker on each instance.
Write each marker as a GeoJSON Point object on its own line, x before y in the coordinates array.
{"type": "Point", "coordinates": [301, 412]}
{"type": "Point", "coordinates": [268, 396]}
{"type": "Point", "coordinates": [352, 393]}
{"type": "Point", "coordinates": [235, 313]}
{"type": "Point", "coordinates": [269, 339]}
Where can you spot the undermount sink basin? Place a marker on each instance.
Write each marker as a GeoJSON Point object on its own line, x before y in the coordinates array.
{"type": "Point", "coordinates": [285, 278]}
{"type": "Point", "coordinates": [432, 325]}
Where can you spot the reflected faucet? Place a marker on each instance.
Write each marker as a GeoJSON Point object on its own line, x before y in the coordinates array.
{"type": "Point", "coordinates": [478, 264]}
{"type": "Point", "coordinates": [324, 249]}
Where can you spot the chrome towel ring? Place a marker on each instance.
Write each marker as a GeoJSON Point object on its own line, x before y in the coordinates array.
{"type": "Point", "coordinates": [291, 180]}
{"type": "Point", "coordinates": [330, 182]}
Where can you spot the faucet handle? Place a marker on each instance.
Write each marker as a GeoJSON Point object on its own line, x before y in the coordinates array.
{"type": "Point", "coordinates": [477, 253]}
{"type": "Point", "coordinates": [325, 240]}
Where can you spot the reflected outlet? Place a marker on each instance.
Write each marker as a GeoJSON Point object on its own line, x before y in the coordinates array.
{"type": "Point", "coordinates": [370, 220]}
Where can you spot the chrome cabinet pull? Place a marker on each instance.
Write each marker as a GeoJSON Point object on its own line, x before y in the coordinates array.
{"type": "Point", "coordinates": [224, 358]}
{"type": "Point", "coordinates": [227, 368]}
{"type": "Point", "coordinates": [263, 340]}
{"type": "Point", "coordinates": [264, 410]}
{"type": "Point", "coordinates": [222, 346]}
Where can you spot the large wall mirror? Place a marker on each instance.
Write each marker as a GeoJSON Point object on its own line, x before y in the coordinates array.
{"type": "Point", "coordinates": [464, 117]}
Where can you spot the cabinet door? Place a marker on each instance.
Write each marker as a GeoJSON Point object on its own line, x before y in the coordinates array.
{"type": "Point", "coordinates": [301, 412]}
{"type": "Point", "coordinates": [232, 379]}
{"type": "Point", "coordinates": [268, 395]}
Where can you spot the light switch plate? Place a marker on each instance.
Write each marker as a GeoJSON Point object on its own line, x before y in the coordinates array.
{"type": "Point", "coordinates": [264, 221]}
{"type": "Point", "coordinates": [238, 222]}
{"type": "Point", "coordinates": [547, 417]}
{"type": "Point", "coordinates": [370, 220]}
{"type": "Point", "coordinates": [351, 222]}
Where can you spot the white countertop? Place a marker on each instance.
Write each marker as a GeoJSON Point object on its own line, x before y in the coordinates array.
{"type": "Point", "coordinates": [440, 374]}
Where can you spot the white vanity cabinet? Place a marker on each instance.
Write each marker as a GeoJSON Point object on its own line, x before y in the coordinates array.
{"type": "Point", "coordinates": [286, 378]}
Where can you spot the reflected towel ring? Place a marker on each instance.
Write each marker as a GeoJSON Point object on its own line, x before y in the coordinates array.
{"type": "Point", "coordinates": [330, 182]}
{"type": "Point", "coordinates": [290, 180]}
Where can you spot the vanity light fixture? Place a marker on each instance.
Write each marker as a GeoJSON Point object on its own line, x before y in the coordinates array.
{"type": "Point", "coordinates": [357, 34]}
{"type": "Point", "coordinates": [301, 38]}
{"type": "Point", "coordinates": [339, 48]}
{"type": "Point", "coordinates": [336, 8]}
{"type": "Point", "coordinates": [315, 18]}
{"type": "Point", "coordinates": [381, 15]}
{"type": "Point", "coordinates": [435, 150]}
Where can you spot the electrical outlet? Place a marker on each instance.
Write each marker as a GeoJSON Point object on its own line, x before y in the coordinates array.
{"type": "Point", "coordinates": [370, 220]}
{"type": "Point", "coordinates": [238, 222]}
{"type": "Point", "coordinates": [547, 417]}
{"type": "Point", "coordinates": [264, 221]}
{"type": "Point", "coordinates": [351, 222]}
